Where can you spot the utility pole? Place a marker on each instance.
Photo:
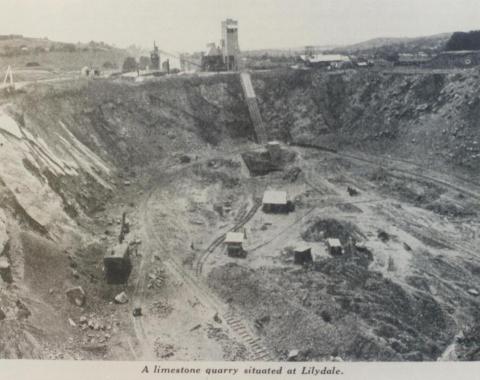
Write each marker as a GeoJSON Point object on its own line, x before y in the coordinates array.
{"type": "Point", "coordinates": [8, 80]}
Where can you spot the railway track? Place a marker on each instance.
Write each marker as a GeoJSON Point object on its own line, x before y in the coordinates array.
{"type": "Point", "coordinates": [256, 346]}
{"type": "Point", "coordinates": [219, 240]}
{"type": "Point", "coordinates": [253, 343]}
{"type": "Point", "coordinates": [192, 279]}
{"type": "Point", "coordinates": [410, 173]}
{"type": "Point", "coordinates": [435, 237]}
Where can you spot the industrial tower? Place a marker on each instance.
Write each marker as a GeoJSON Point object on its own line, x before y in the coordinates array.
{"type": "Point", "coordinates": [229, 44]}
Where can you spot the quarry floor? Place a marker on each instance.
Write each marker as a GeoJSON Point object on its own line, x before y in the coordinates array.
{"type": "Point", "coordinates": [200, 304]}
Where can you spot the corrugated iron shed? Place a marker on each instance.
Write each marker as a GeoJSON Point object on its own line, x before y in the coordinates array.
{"type": "Point", "coordinates": [275, 197]}
{"type": "Point", "coordinates": [319, 58]}
{"type": "Point", "coordinates": [234, 238]}
{"type": "Point", "coordinates": [334, 243]}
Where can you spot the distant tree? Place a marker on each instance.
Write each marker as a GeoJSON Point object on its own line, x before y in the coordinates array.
{"type": "Point", "coordinates": [464, 41]}
{"type": "Point", "coordinates": [69, 48]}
{"type": "Point", "coordinates": [391, 56]}
{"type": "Point", "coordinates": [109, 65]}
{"type": "Point", "coordinates": [143, 62]}
{"type": "Point", "coordinates": [129, 64]}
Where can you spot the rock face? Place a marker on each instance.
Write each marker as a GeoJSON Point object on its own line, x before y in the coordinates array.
{"type": "Point", "coordinates": [3, 233]}
{"type": "Point", "coordinates": [431, 117]}
{"type": "Point", "coordinates": [76, 295]}
{"type": "Point", "coordinates": [5, 272]}
{"type": "Point", "coordinates": [473, 292]}
{"type": "Point", "coordinates": [22, 311]}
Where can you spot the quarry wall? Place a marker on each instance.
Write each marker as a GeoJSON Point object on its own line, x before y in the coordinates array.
{"type": "Point", "coordinates": [431, 118]}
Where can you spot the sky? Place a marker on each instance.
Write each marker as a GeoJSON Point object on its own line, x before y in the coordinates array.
{"type": "Point", "coordinates": [188, 25]}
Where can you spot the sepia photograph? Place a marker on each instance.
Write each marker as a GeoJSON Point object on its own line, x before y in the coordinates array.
{"type": "Point", "coordinates": [272, 181]}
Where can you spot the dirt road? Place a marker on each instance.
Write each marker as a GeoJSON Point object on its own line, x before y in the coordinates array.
{"type": "Point", "coordinates": [164, 231]}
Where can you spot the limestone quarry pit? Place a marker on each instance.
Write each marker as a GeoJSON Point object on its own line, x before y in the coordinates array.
{"type": "Point", "coordinates": [180, 157]}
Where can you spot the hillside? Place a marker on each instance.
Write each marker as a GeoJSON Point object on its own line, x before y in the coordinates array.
{"type": "Point", "coordinates": [19, 52]}
{"type": "Point", "coordinates": [426, 44]}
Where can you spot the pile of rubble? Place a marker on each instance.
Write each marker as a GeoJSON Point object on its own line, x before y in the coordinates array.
{"type": "Point", "coordinates": [163, 350]}
{"type": "Point", "coordinates": [161, 309]}
{"type": "Point", "coordinates": [156, 278]}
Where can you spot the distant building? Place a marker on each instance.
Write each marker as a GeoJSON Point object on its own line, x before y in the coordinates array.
{"type": "Point", "coordinates": [309, 51]}
{"type": "Point", "coordinates": [190, 62]}
{"type": "Point", "coordinates": [229, 44]}
{"type": "Point", "coordinates": [87, 71]}
{"type": "Point", "coordinates": [325, 60]}
{"type": "Point", "coordinates": [166, 66]}
{"type": "Point", "coordinates": [225, 57]}
{"type": "Point", "coordinates": [155, 58]}
{"type": "Point", "coordinates": [416, 59]}
{"type": "Point", "coordinates": [213, 60]}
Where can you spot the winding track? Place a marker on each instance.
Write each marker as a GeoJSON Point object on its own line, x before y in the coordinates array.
{"type": "Point", "coordinates": [219, 240]}
{"type": "Point", "coordinates": [255, 347]}
{"type": "Point", "coordinates": [411, 174]}
{"type": "Point", "coordinates": [252, 342]}
{"type": "Point", "coordinates": [402, 170]}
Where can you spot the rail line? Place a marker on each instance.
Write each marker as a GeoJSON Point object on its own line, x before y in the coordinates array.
{"type": "Point", "coordinates": [254, 344]}
{"type": "Point", "coordinates": [438, 239]}
{"type": "Point", "coordinates": [255, 347]}
{"type": "Point", "coordinates": [396, 169]}
{"type": "Point", "coordinates": [219, 240]}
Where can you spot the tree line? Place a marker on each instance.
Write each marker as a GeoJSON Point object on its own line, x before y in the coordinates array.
{"type": "Point", "coordinates": [464, 41]}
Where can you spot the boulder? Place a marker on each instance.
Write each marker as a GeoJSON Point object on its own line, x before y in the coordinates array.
{"type": "Point", "coordinates": [293, 355]}
{"type": "Point", "coordinates": [352, 191]}
{"type": "Point", "coordinates": [473, 292]}
{"type": "Point", "coordinates": [184, 159]}
{"type": "Point", "coordinates": [76, 295]}
{"type": "Point", "coordinates": [22, 310]}
{"type": "Point", "coordinates": [121, 298]}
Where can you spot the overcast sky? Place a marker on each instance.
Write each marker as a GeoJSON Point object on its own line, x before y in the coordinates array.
{"type": "Point", "coordinates": [187, 25]}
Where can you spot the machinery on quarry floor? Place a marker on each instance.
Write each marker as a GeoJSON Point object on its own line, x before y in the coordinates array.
{"type": "Point", "coordinates": [117, 264]}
